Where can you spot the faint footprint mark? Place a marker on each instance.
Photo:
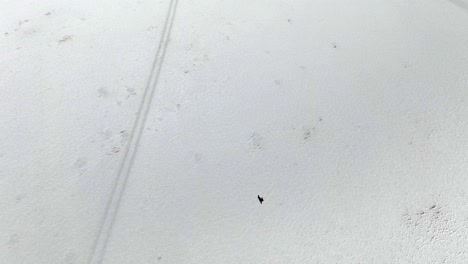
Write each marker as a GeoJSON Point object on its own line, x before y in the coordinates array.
{"type": "Point", "coordinates": [256, 141]}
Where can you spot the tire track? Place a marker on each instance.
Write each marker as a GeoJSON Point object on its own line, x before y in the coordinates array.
{"type": "Point", "coordinates": [112, 207]}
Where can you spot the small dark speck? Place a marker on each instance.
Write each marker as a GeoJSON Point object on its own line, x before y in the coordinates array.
{"type": "Point", "coordinates": [307, 135]}
{"type": "Point", "coordinates": [65, 38]}
{"type": "Point", "coordinates": [289, 20]}
{"type": "Point", "coordinates": [19, 198]}
{"type": "Point", "coordinates": [320, 119]}
{"type": "Point", "coordinates": [6, 33]}
{"type": "Point", "coordinates": [186, 72]}
{"type": "Point", "coordinates": [432, 207]}
{"type": "Point", "coordinates": [48, 13]}
{"type": "Point", "coordinates": [159, 258]}
{"type": "Point", "coordinates": [260, 199]}
{"type": "Point", "coordinates": [22, 22]}
{"type": "Point", "coordinates": [334, 45]}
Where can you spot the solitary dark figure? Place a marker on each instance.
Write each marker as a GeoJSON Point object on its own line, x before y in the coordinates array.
{"type": "Point", "coordinates": [260, 199]}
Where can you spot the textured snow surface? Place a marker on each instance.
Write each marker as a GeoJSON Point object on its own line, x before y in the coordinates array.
{"type": "Point", "coordinates": [144, 131]}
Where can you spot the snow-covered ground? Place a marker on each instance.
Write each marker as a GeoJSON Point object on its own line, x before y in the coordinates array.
{"type": "Point", "coordinates": [143, 131]}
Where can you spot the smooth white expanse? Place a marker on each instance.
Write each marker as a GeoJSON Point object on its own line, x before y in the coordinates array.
{"type": "Point", "coordinates": [348, 117]}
